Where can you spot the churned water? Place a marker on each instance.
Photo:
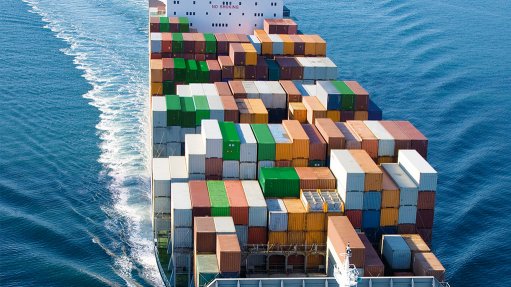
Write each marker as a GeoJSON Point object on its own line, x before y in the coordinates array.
{"type": "Point", "coordinates": [74, 183]}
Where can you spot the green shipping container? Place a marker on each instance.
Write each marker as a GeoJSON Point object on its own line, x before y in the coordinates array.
{"type": "Point", "coordinates": [279, 182]}
{"type": "Point", "coordinates": [164, 24]}
{"type": "Point", "coordinates": [177, 43]}
{"type": "Point", "coordinates": [187, 112]}
{"type": "Point", "coordinates": [169, 88]}
{"type": "Point", "coordinates": [173, 110]}
{"type": "Point", "coordinates": [347, 96]}
{"type": "Point", "coordinates": [203, 75]}
{"type": "Point", "coordinates": [206, 269]}
{"type": "Point", "coordinates": [218, 198]}
{"type": "Point", "coordinates": [184, 25]}
{"type": "Point", "coordinates": [191, 71]}
{"type": "Point", "coordinates": [265, 142]}
{"type": "Point", "coordinates": [231, 141]}
{"type": "Point", "coordinates": [201, 109]}
{"type": "Point", "coordinates": [210, 43]}
{"type": "Point", "coordinates": [179, 69]}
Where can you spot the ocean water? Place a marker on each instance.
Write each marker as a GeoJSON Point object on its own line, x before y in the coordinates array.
{"type": "Point", "coordinates": [74, 183]}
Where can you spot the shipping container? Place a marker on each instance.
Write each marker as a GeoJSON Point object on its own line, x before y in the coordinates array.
{"type": "Point", "coordinates": [265, 142]}
{"type": "Point", "coordinates": [214, 168]}
{"type": "Point", "coordinates": [315, 237]}
{"type": "Point", "coordinates": [390, 192]}
{"type": "Point", "coordinates": [373, 266]}
{"type": "Point", "coordinates": [204, 235]}
{"type": "Point", "coordinates": [353, 141]}
{"type": "Point", "coordinates": [355, 217]}
{"type": "Point", "coordinates": [242, 234]}
{"type": "Point", "coordinates": [401, 140]}
{"type": "Point", "coordinates": [237, 201]}
{"type": "Point", "coordinates": [298, 112]}
{"type": "Point", "coordinates": [248, 143]}
{"type": "Point", "coordinates": [396, 252]}
{"type": "Point", "coordinates": [178, 169]}
{"type": "Point", "coordinates": [228, 253]}
{"type": "Point", "coordinates": [277, 237]}
{"type": "Point", "coordinates": [427, 264]}
{"type": "Point", "coordinates": [257, 235]}
{"type": "Point", "coordinates": [248, 170]}
{"type": "Point", "coordinates": [218, 197]}
{"type": "Point", "coordinates": [277, 215]}
{"type": "Point", "coordinates": [386, 143]}
{"type": "Point", "coordinates": [315, 110]}
{"type": "Point", "coordinates": [340, 233]}
{"type": "Point", "coordinates": [332, 200]}
{"type": "Point", "coordinates": [408, 193]}
{"type": "Point", "coordinates": [181, 205]}
{"type": "Point", "coordinates": [425, 218]}
{"type": "Point", "coordinates": [195, 154]}
{"type": "Point", "coordinates": [418, 141]}
{"type": "Point", "coordinates": [373, 176]}
{"type": "Point", "coordinates": [212, 138]}
{"type": "Point", "coordinates": [426, 200]}
{"type": "Point", "coordinates": [206, 269]}
{"type": "Point", "coordinates": [389, 216]}
{"type": "Point", "coordinates": [349, 174]}
{"type": "Point", "coordinates": [369, 141]}
{"type": "Point", "coordinates": [161, 177]}
{"type": "Point", "coordinates": [419, 169]}
{"type": "Point", "coordinates": [231, 141]}
{"type": "Point", "coordinates": [257, 211]}
{"type": "Point", "coordinates": [407, 214]}
{"type": "Point", "coordinates": [317, 145]}
{"type": "Point", "coordinates": [279, 182]}
{"type": "Point", "coordinates": [296, 237]}
{"type": "Point", "coordinates": [296, 213]}
{"type": "Point", "coordinates": [300, 139]}
{"type": "Point", "coordinates": [199, 197]}
{"type": "Point", "coordinates": [416, 243]}
{"type": "Point", "coordinates": [283, 144]}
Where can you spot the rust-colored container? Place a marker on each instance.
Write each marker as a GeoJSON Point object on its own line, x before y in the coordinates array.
{"type": "Point", "coordinates": [416, 243]}
{"type": "Point", "coordinates": [237, 201]}
{"type": "Point", "coordinates": [317, 145]}
{"type": "Point", "coordinates": [237, 89]}
{"type": "Point", "coordinates": [228, 253]}
{"type": "Point", "coordinates": [332, 135]}
{"type": "Point", "coordinates": [227, 67]}
{"type": "Point", "coordinates": [427, 264]}
{"type": "Point", "coordinates": [296, 219]}
{"type": "Point", "coordinates": [154, 24]}
{"type": "Point", "coordinates": [418, 141]}
{"type": "Point", "coordinates": [361, 95]}
{"type": "Point", "coordinates": [426, 200]}
{"type": "Point", "coordinates": [425, 218]}
{"type": "Point", "coordinates": [250, 54]}
{"type": "Point", "coordinates": [214, 168]}
{"type": "Point", "coordinates": [353, 141]}
{"type": "Point", "coordinates": [166, 43]}
{"type": "Point", "coordinates": [188, 43]}
{"type": "Point", "coordinates": [293, 94]}
{"type": "Point", "coordinates": [316, 178]}
{"type": "Point", "coordinates": [315, 221]}
{"type": "Point", "coordinates": [297, 111]}
{"type": "Point", "coordinates": [369, 141]}
{"type": "Point", "coordinates": [231, 113]}
{"type": "Point", "coordinates": [334, 115]}
{"type": "Point", "coordinates": [201, 206]}
{"type": "Point", "coordinates": [401, 140]}
{"type": "Point", "coordinates": [299, 44]}
{"type": "Point", "coordinates": [215, 71]}
{"type": "Point", "coordinates": [223, 89]}
{"type": "Point", "coordinates": [360, 116]}
{"type": "Point", "coordinates": [299, 138]}
{"type": "Point", "coordinates": [389, 216]}
{"type": "Point", "coordinates": [386, 159]}
{"type": "Point", "coordinates": [314, 261]}
{"type": "Point", "coordinates": [406, 228]}
{"type": "Point", "coordinates": [373, 176]}
{"type": "Point", "coordinates": [373, 266]}
{"type": "Point", "coordinates": [277, 237]}
{"type": "Point", "coordinates": [204, 235]}
{"type": "Point", "coordinates": [222, 45]}
{"type": "Point", "coordinates": [156, 71]}
{"type": "Point", "coordinates": [257, 235]}
{"type": "Point", "coordinates": [296, 260]}
{"type": "Point", "coordinates": [242, 38]}
{"type": "Point", "coordinates": [300, 162]}
{"type": "Point", "coordinates": [355, 217]}
{"type": "Point", "coordinates": [237, 54]}
{"type": "Point", "coordinates": [315, 110]}
{"type": "Point", "coordinates": [340, 233]}
{"type": "Point", "coordinates": [390, 192]}
{"type": "Point", "coordinates": [315, 237]}
{"type": "Point", "coordinates": [200, 43]}
{"type": "Point", "coordinates": [295, 237]}
{"type": "Point", "coordinates": [283, 163]}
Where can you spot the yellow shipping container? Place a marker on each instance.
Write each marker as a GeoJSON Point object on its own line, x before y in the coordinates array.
{"type": "Point", "coordinates": [277, 237]}
{"type": "Point", "coordinates": [250, 54]}
{"type": "Point", "coordinates": [295, 237]}
{"type": "Point", "coordinates": [315, 237]}
{"type": "Point", "coordinates": [300, 162]}
{"type": "Point", "coordinates": [259, 111]}
{"type": "Point", "coordinates": [284, 151]}
{"type": "Point", "coordinates": [334, 115]}
{"type": "Point", "coordinates": [266, 43]}
{"type": "Point", "coordinates": [361, 115]}
{"type": "Point", "coordinates": [289, 44]}
{"type": "Point", "coordinates": [314, 261]}
{"type": "Point", "coordinates": [315, 221]}
{"type": "Point", "coordinates": [156, 89]}
{"type": "Point", "coordinates": [239, 72]}
{"type": "Point", "coordinates": [297, 111]}
{"type": "Point", "coordinates": [389, 216]}
{"type": "Point", "coordinates": [390, 198]}
{"type": "Point", "coordinates": [310, 45]}
{"type": "Point", "coordinates": [416, 243]}
{"type": "Point", "coordinates": [296, 219]}
{"type": "Point", "coordinates": [386, 159]}
{"type": "Point", "coordinates": [320, 45]}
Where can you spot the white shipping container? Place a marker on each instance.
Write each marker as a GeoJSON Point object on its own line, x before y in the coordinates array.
{"type": "Point", "coordinates": [183, 91]}
{"type": "Point", "coordinates": [419, 169]}
{"type": "Point", "coordinates": [212, 138]}
{"type": "Point", "coordinates": [278, 44]}
{"type": "Point", "coordinates": [279, 133]}
{"type": "Point", "coordinates": [210, 90]}
{"type": "Point", "coordinates": [347, 171]}
{"type": "Point", "coordinates": [326, 90]}
{"type": "Point", "coordinates": [159, 109]}
{"type": "Point", "coordinates": [248, 143]}
{"type": "Point", "coordinates": [159, 150]}
{"type": "Point", "coordinates": [186, 131]}
{"type": "Point", "coordinates": [178, 169]}
{"type": "Point", "coordinates": [331, 68]}
{"type": "Point", "coordinates": [159, 135]}
{"type": "Point", "coordinates": [257, 210]}
{"type": "Point", "coordinates": [174, 134]}
{"type": "Point", "coordinates": [311, 89]}
{"type": "Point", "coordinates": [279, 100]}
{"type": "Point", "coordinates": [264, 163]}
{"type": "Point", "coordinates": [265, 93]}
{"type": "Point", "coordinates": [407, 215]}
{"type": "Point", "coordinates": [216, 108]}
{"type": "Point", "coordinates": [182, 237]}
{"type": "Point", "coordinates": [161, 177]}
{"type": "Point", "coordinates": [277, 215]}
{"type": "Point", "coordinates": [181, 205]}
{"type": "Point", "coordinates": [256, 43]}
{"type": "Point", "coordinates": [197, 90]}
{"type": "Point", "coordinates": [308, 68]}
{"type": "Point", "coordinates": [242, 233]}
{"type": "Point", "coordinates": [224, 225]}
{"type": "Point", "coordinates": [231, 169]}
{"type": "Point", "coordinates": [250, 89]}
{"type": "Point", "coordinates": [161, 205]}
{"type": "Point", "coordinates": [320, 71]}
{"type": "Point", "coordinates": [354, 200]}
{"type": "Point", "coordinates": [408, 191]}
{"type": "Point", "coordinates": [386, 142]}
{"type": "Point", "coordinates": [195, 154]}
{"type": "Point", "coordinates": [248, 170]}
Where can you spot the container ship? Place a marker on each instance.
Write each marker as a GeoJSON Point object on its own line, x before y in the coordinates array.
{"type": "Point", "coordinates": [268, 168]}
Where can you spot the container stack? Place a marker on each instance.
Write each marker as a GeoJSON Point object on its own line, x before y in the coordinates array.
{"type": "Point", "coordinates": [231, 150]}
{"type": "Point", "coordinates": [317, 146]}
{"type": "Point", "coordinates": [182, 232]}
{"type": "Point", "coordinates": [161, 178]}
{"type": "Point", "coordinates": [169, 24]}
{"type": "Point", "coordinates": [248, 152]}
{"type": "Point", "coordinates": [280, 26]}
{"type": "Point", "coordinates": [257, 212]}
{"type": "Point", "coordinates": [300, 143]}
{"type": "Point", "coordinates": [341, 101]}
{"type": "Point", "coordinates": [340, 234]}
{"type": "Point", "coordinates": [373, 266]}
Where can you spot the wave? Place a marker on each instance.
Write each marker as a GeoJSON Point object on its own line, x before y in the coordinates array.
{"type": "Point", "coordinates": [108, 44]}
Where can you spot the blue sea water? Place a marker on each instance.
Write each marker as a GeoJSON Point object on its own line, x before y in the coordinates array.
{"type": "Point", "coordinates": [74, 187]}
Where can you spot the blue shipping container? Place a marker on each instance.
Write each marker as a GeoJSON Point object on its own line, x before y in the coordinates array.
{"type": "Point", "coordinates": [372, 200]}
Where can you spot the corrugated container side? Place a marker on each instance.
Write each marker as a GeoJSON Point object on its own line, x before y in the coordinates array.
{"type": "Point", "coordinates": [332, 135]}
{"type": "Point", "coordinates": [204, 235]}
{"type": "Point", "coordinates": [408, 193]}
{"type": "Point", "coordinates": [295, 237]}
{"type": "Point", "coordinates": [369, 141]}
{"type": "Point", "coordinates": [283, 144]}
{"type": "Point", "coordinates": [340, 232]}
{"type": "Point", "coordinates": [206, 269]}
{"type": "Point", "coordinates": [416, 243]}
{"type": "Point", "coordinates": [182, 237]}
{"type": "Point", "coordinates": [231, 169]}
{"type": "Point", "coordinates": [277, 237]}
{"type": "Point", "coordinates": [161, 177]}
{"type": "Point", "coordinates": [248, 170]}
{"type": "Point", "coordinates": [419, 169]}
{"type": "Point", "coordinates": [315, 221]}
{"type": "Point", "coordinates": [418, 141]}
{"type": "Point", "coordinates": [396, 252]}
{"type": "Point", "coordinates": [257, 235]}
{"type": "Point", "coordinates": [228, 253]}
{"type": "Point", "coordinates": [401, 140]}
{"type": "Point", "coordinates": [277, 215]}
{"type": "Point", "coordinates": [237, 201]}
{"type": "Point", "coordinates": [427, 264]}
{"type": "Point", "coordinates": [242, 234]}
{"type": "Point", "coordinates": [299, 137]}
{"type": "Point", "coordinates": [248, 146]}
{"type": "Point", "coordinates": [296, 214]}
{"type": "Point", "coordinates": [373, 266]}
{"type": "Point", "coordinates": [373, 176]}
{"type": "Point", "coordinates": [181, 205]}
{"type": "Point", "coordinates": [195, 154]}
{"type": "Point", "coordinates": [317, 145]}
{"type": "Point", "coordinates": [407, 214]}
{"type": "Point", "coordinates": [347, 171]}
{"type": "Point", "coordinates": [386, 144]}
{"type": "Point", "coordinates": [390, 192]}
{"type": "Point", "coordinates": [257, 212]}
{"type": "Point", "coordinates": [199, 196]}
{"type": "Point", "coordinates": [353, 141]}
{"type": "Point", "coordinates": [426, 200]}
{"type": "Point", "coordinates": [224, 225]}
{"type": "Point", "coordinates": [315, 237]}
{"type": "Point", "coordinates": [389, 216]}
{"type": "Point", "coordinates": [212, 138]}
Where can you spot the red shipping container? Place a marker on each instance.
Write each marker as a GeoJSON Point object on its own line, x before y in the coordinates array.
{"type": "Point", "coordinates": [168, 69]}
{"type": "Point", "coordinates": [402, 141]}
{"type": "Point", "coordinates": [227, 67]}
{"type": "Point", "coordinates": [200, 57]}
{"type": "Point", "coordinates": [296, 260]}
{"type": "Point", "coordinates": [166, 42]}
{"type": "Point", "coordinates": [425, 218]}
{"type": "Point", "coordinates": [426, 234]}
{"type": "Point", "coordinates": [238, 90]}
{"type": "Point", "coordinates": [215, 72]}
{"type": "Point", "coordinates": [201, 206]}
{"type": "Point", "coordinates": [257, 235]}
{"type": "Point", "coordinates": [332, 135]}
{"type": "Point", "coordinates": [407, 229]}
{"type": "Point", "coordinates": [361, 95]}
{"type": "Point", "coordinates": [237, 201]}
{"type": "Point", "coordinates": [340, 233]}
{"type": "Point", "coordinates": [318, 145]}
{"type": "Point", "coordinates": [188, 43]}
{"type": "Point", "coordinates": [200, 43]}
{"type": "Point", "coordinates": [222, 45]}
{"type": "Point", "coordinates": [214, 168]}
{"type": "Point", "coordinates": [154, 24]}
{"type": "Point", "coordinates": [355, 217]}
{"type": "Point", "coordinates": [155, 56]}
{"type": "Point", "coordinates": [228, 253]}
{"type": "Point", "coordinates": [373, 266]}
{"type": "Point", "coordinates": [231, 112]}
{"type": "Point", "coordinates": [223, 89]}
{"type": "Point", "coordinates": [426, 200]}
{"type": "Point", "coordinates": [418, 140]}
{"type": "Point", "coordinates": [204, 235]}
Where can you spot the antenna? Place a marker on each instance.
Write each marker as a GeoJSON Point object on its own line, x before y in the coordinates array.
{"type": "Point", "coordinates": [346, 274]}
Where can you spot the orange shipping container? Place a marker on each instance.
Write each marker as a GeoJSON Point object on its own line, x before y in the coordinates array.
{"type": "Point", "coordinates": [244, 112]}
{"type": "Point", "coordinates": [296, 220]}
{"type": "Point", "coordinates": [266, 43]}
{"type": "Point", "coordinates": [250, 54]}
{"type": "Point", "coordinates": [297, 111]}
{"type": "Point", "coordinates": [389, 216]}
{"type": "Point", "coordinates": [156, 89]}
{"type": "Point", "coordinates": [299, 162]}
{"type": "Point", "coordinates": [361, 115]}
{"type": "Point", "coordinates": [315, 237]}
{"type": "Point", "coordinates": [228, 253]}
{"type": "Point", "coordinates": [386, 159]}
{"type": "Point", "coordinates": [310, 45]}
{"type": "Point", "coordinates": [320, 45]}
{"type": "Point", "coordinates": [369, 141]}
{"type": "Point", "coordinates": [277, 237]}
{"type": "Point", "coordinates": [353, 141]}
{"type": "Point", "coordinates": [314, 261]}
{"type": "Point", "coordinates": [315, 109]}
{"type": "Point", "coordinates": [332, 135]}
{"type": "Point", "coordinates": [416, 243]}
{"type": "Point", "coordinates": [295, 237]}
{"type": "Point", "coordinates": [259, 110]}
{"type": "Point", "coordinates": [340, 233]}
{"type": "Point", "coordinates": [373, 176]}
{"type": "Point", "coordinates": [390, 192]}
{"type": "Point", "coordinates": [289, 45]}
{"type": "Point", "coordinates": [293, 94]}
{"type": "Point", "coordinates": [315, 221]}
{"type": "Point", "coordinates": [299, 138]}
{"type": "Point", "coordinates": [427, 264]}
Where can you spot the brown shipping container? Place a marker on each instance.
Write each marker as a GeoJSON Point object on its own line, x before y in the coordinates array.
{"type": "Point", "coordinates": [277, 237]}
{"type": "Point", "coordinates": [293, 94]}
{"type": "Point", "coordinates": [332, 135]}
{"type": "Point", "coordinates": [317, 144]}
{"type": "Point", "coordinates": [418, 141]}
{"type": "Point", "coordinates": [261, 69]}
{"type": "Point", "coordinates": [362, 96]}
{"type": "Point", "coordinates": [360, 116]}
{"type": "Point", "coordinates": [315, 109]}
{"type": "Point", "coordinates": [369, 141]}
{"type": "Point", "coordinates": [168, 69]}
{"type": "Point", "coordinates": [425, 218]}
{"type": "Point", "coordinates": [299, 49]}
{"type": "Point", "coordinates": [215, 72]}
{"type": "Point", "coordinates": [326, 179]}
{"type": "Point", "coordinates": [166, 43]}
{"type": "Point", "coordinates": [266, 43]}
{"type": "Point", "coordinates": [239, 72]}
{"type": "Point", "coordinates": [243, 108]}
{"type": "Point", "coordinates": [201, 206]}
{"type": "Point", "coordinates": [296, 260]}
{"type": "Point", "coordinates": [295, 237]}
{"type": "Point", "coordinates": [373, 176]}
{"type": "Point", "coordinates": [188, 43]}
{"type": "Point", "coordinates": [402, 274]}
{"type": "Point", "coordinates": [406, 228]}
{"type": "Point", "coordinates": [237, 89]}
{"type": "Point", "coordinates": [283, 163]}
{"type": "Point", "coordinates": [156, 71]}
{"type": "Point", "coordinates": [314, 261]}
{"type": "Point", "coordinates": [340, 233]}
{"type": "Point", "coordinates": [402, 141]}
{"type": "Point", "coordinates": [250, 72]}
{"type": "Point", "coordinates": [308, 180]}
{"type": "Point", "coordinates": [298, 112]}
{"type": "Point", "coordinates": [237, 201]}
{"type": "Point", "coordinates": [427, 264]}
{"type": "Point", "coordinates": [296, 220]}
{"type": "Point", "coordinates": [299, 138]}
{"type": "Point", "coordinates": [237, 54]}
{"type": "Point", "coordinates": [204, 235]}
{"type": "Point", "coordinates": [227, 67]}
{"type": "Point", "coordinates": [154, 24]}
{"type": "Point", "coordinates": [231, 113]}
{"type": "Point", "coordinates": [200, 43]}
{"type": "Point", "coordinates": [228, 253]}
{"type": "Point", "coordinates": [426, 234]}
{"type": "Point", "coordinates": [355, 217]}
{"type": "Point", "coordinates": [214, 168]}
{"type": "Point", "coordinates": [426, 200]}
{"type": "Point", "coordinates": [373, 266]}
{"type": "Point", "coordinates": [300, 162]}
{"type": "Point", "coordinates": [222, 44]}
{"type": "Point", "coordinates": [315, 237]}
{"type": "Point", "coordinates": [223, 89]}
{"type": "Point", "coordinates": [386, 159]}
{"type": "Point", "coordinates": [315, 221]}
{"type": "Point", "coordinates": [353, 141]}
{"type": "Point", "coordinates": [416, 243]}
{"type": "Point", "coordinates": [390, 192]}
{"type": "Point", "coordinates": [257, 235]}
